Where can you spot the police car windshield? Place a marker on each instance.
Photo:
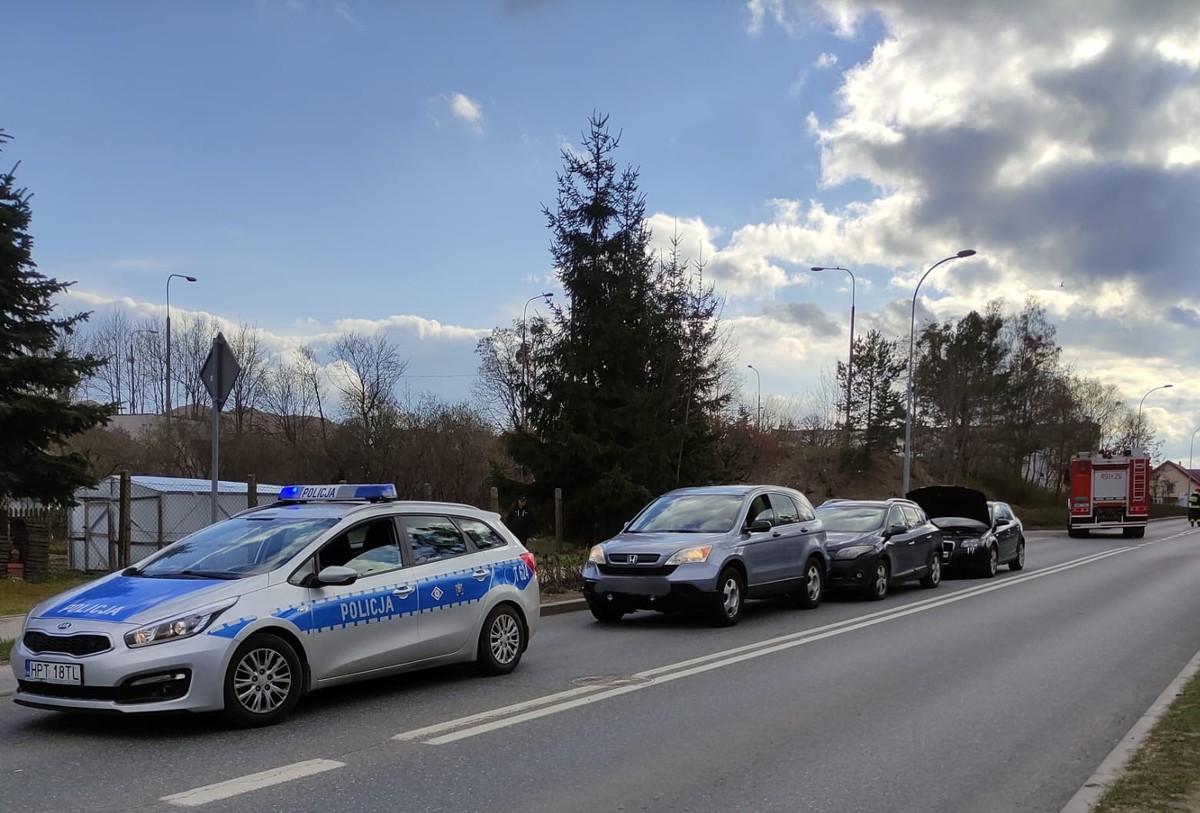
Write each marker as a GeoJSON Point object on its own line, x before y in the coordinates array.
{"type": "Point", "coordinates": [238, 547]}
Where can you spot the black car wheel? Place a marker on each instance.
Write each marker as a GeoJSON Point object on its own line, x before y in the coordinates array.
{"type": "Point", "coordinates": [934, 577]}
{"type": "Point", "coordinates": [877, 590]}
{"type": "Point", "coordinates": [263, 681]}
{"type": "Point", "coordinates": [730, 598]}
{"type": "Point", "coordinates": [808, 597]}
{"type": "Point", "coordinates": [993, 562]}
{"type": "Point", "coordinates": [501, 641]}
{"type": "Point", "coordinates": [1019, 562]}
{"type": "Point", "coordinates": [605, 613]}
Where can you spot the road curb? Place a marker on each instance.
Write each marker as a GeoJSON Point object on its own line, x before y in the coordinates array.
{"type": "Point", "coordinates": [1113, 766]}
{"type": "Point", "coordinates": [560, 607]}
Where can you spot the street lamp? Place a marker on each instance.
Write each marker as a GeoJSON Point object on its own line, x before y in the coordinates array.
{"type": "Point", "coordinates": [132, 407]}
{"type": "Point", "coordinates": [1137, 429]}
{"type": "Point", "coordinates": [1190, 448]}
{"type": "Point", "coordinates": [912, 324]}
{"type": "Point", "coordinates": [758, 404]}
{"type": "Point", "coordinates": [525, 355]}
{"type": "Point", "coordinates": [850, 358]}
{"type": "Point", "coordinates": [168, 394]}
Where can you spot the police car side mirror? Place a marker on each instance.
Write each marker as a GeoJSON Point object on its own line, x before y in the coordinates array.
{"type": "Point", "coordinates": [337, 575]}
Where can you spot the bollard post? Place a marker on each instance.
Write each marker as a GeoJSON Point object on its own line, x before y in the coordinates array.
{"type": "Point", "coordinates": [558, 518]}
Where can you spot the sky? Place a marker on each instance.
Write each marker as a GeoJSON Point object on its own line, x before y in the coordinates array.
{"type": "Point", "coordinates": [323, 166]}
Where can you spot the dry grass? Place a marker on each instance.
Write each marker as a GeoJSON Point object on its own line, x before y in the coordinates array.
{"type": "Point", "coordinates": [1162, 776]}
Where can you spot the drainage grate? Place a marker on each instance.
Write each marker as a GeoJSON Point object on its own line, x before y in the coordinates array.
{"type": "Point", "coordinates": [610, 680]}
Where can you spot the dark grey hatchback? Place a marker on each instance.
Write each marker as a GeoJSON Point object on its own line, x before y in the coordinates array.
{"type": "Point", "coordinates": [874, 544]}
{"type": "Point", "coordinates": [709, 549]}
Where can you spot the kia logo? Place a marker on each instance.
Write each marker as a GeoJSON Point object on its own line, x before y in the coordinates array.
{"type": "Point", "coordinates": [66, 625]}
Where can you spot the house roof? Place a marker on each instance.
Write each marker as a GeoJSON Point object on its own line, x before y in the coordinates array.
{"type": "Point", "coordinates": [1193, 475]}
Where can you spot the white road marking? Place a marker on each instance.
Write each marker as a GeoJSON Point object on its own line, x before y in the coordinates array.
{"type": "Point", "coordinates": [254, 781]}
{"type": "Point", "coordinates": [484, 722]}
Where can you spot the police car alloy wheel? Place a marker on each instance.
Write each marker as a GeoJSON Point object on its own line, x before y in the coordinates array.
{"type": "Point", "coordinates": [501, 641]}
{"type": "Point", "coordinates": [263, 682]}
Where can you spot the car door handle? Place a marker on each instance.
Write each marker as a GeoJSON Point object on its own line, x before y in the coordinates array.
{"type": "Point", "coordinates": [912, 542]}
{"type": "Point", "coordinates": [403, 591]}
{"type": "Point", "coordinates": [480, 574]}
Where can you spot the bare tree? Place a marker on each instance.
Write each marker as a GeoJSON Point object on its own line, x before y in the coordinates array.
{"type": "Point", "coordinates": [248, 389]}
{"type": "Point", "coordinates": [366, 374]}
{"type": "Point", "coordinates": [190, 347]}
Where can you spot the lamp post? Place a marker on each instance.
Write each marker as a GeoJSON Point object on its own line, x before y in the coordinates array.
{"type": "Point", "coordinates": [758, 403]}
{"type": "Point", "coordinates": [1190, 448]}
{"type": "Point", "coordinates": [850, 357]}
{"type": "Point", "coordinates": [1137, 429]}
{"type": "Point", "coordinates": [912, 324]}
{"type": "Point", "coordinates": [525, 355]}
{"type": "Point", "coordinates": [168, 393]}
{"type": "Point", "coordinates": [132, 406]}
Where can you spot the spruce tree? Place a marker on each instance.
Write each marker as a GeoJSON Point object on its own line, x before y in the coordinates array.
{"type": "Point", "coordinates": [625, 401]}
{"type": "Point", "coordinates": [36, 419]}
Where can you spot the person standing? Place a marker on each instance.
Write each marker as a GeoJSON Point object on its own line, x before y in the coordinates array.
{"type": "Point", "coordinates": [519, 520]}
{"type": "Point", "coordinates": [1194, 507]}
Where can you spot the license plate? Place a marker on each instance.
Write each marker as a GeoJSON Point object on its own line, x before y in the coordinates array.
{"type": "Point", "coordinates": [45, 672]}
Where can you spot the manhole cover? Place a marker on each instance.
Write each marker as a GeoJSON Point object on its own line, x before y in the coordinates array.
{"type": "Point", "coordinates": [609, 680]}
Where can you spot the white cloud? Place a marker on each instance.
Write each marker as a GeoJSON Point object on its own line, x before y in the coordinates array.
{"type": "Point", "coordinates": [467, 110]}
{"type": "Point", "coordinates": [826, 60]}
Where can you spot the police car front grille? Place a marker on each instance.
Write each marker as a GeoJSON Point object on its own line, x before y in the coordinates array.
{"type": "Point", "coordinates": [39, 642]}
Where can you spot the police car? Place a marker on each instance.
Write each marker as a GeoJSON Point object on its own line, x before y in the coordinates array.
{"type": "Point", "coordinates": [328, 585]}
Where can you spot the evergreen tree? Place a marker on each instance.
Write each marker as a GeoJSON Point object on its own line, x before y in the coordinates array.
{"type": "Point", "coordinates": [877, 406]}
{"type": "Point", "coordinates": [629, 386]}
{"type": "Point", "coordinates": [36, 371]}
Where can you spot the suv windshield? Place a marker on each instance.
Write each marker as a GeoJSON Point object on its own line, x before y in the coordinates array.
{"type": "Point", "coordinates": [242, 546]}
{"type": "Point", "coordinates": [689, 513]}
{"type": "Point", "coordinates": [857, 519]}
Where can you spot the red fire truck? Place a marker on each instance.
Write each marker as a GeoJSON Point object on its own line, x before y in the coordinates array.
{"type": "Point", "coordinates": [1109, 489]}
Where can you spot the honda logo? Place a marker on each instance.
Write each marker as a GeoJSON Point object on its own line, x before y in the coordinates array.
{"type": "Point", "coordinates": [632, 559]}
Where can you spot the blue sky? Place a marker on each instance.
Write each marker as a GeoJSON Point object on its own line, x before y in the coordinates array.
{"type": "Point", "coordinates": [322, 166]}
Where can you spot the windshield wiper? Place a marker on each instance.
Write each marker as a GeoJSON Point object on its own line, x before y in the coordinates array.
{"type": "Point", "coordinates": [194, 574]}
{"type": "Point", "coordinates": [131, 571]}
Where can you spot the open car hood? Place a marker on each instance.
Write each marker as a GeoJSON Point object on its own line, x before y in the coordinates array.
{"type": "Point", "coordinates": [952, 501]}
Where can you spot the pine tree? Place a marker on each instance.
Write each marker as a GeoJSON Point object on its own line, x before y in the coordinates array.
{"type": "Point", "coordinates": [630, 383]}
{"type": "Point", "coordinates": [36, 418]}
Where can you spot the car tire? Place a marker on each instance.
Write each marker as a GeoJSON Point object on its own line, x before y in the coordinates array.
{"type": "Point", "coordinates": [877, 590]}
{"type": "Point", "coordinates": [808, 597]}
{"type": "Point", "coordinates": [502, 641]}
{"type": "Point", "coordinates": [934, 577]}
{"type": "Point", "coordinates": [263, 682]}
{"type": "Point", "coordinates": [730, 598]}
{"type": "Point", "coordinates": [993, 563]}
{"type": "Point", "coordinates": [1019, 562]}
{"type": "Point", "coordinates": [606, 613]}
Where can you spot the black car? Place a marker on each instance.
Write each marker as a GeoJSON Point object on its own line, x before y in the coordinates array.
{"type": "Point", "coordinates": [977, 536]}
{"type": "Point", "coordinates": [874, 544]}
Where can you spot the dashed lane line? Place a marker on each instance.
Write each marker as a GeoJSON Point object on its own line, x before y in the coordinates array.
{"type": "Point", "coordinates": [263, 779]}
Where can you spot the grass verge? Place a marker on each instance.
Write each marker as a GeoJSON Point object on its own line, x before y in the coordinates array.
{"type": "Point", "coordinates": [18, 596]}
{"type": "Point", "coordinates": [6, 645]}
{"type": "Point", "coordinates": [1162, 776]}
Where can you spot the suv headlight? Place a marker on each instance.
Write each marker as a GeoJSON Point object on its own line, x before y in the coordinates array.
{"type": "Point", "coordinates": [596, 554]}
{"type": "Point", "coordinates": [690, 556]}
{"type": "Point", "coordinates": [852, 552]}
{"type": "Point", "coordinates": [174, 629]}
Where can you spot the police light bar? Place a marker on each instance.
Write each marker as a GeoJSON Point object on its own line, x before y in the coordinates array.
{"type": "Point", "coordinates": [339, 491]}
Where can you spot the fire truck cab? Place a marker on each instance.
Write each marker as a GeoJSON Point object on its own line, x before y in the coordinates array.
{"type": "Point", "coordinates": [1109, 489]}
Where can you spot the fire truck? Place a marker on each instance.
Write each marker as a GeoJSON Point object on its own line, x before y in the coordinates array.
{"type": "Point", "coordinates": [1109, 489]}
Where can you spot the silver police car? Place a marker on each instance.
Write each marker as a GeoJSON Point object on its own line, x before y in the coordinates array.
{"type": "Point", "coordinates": [328, 585]}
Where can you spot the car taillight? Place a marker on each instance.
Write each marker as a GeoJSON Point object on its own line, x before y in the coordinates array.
{"type": "Point", "coordinates": [528, 559]}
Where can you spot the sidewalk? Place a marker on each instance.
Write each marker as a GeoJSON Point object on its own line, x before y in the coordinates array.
{"type": "Point", "coordinates": [10, 628]}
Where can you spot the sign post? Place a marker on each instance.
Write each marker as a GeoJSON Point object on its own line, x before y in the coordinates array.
{"type": "Point", "coordinates": [219, 373]}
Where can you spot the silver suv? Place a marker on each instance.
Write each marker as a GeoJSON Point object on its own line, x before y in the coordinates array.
{"type": "Point", "coordinates": [708, 549]}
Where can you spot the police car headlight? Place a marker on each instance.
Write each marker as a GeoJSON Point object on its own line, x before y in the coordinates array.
{"type": "Point", "coordinates": [689, 556]}
{"type": "Point", "coordinates": [183, 626]}
{"type": "Point", "coordinates": [596, 554]}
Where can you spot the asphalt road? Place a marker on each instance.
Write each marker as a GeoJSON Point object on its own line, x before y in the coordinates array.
{"type": "Point", "coordinates": [982, 695]}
